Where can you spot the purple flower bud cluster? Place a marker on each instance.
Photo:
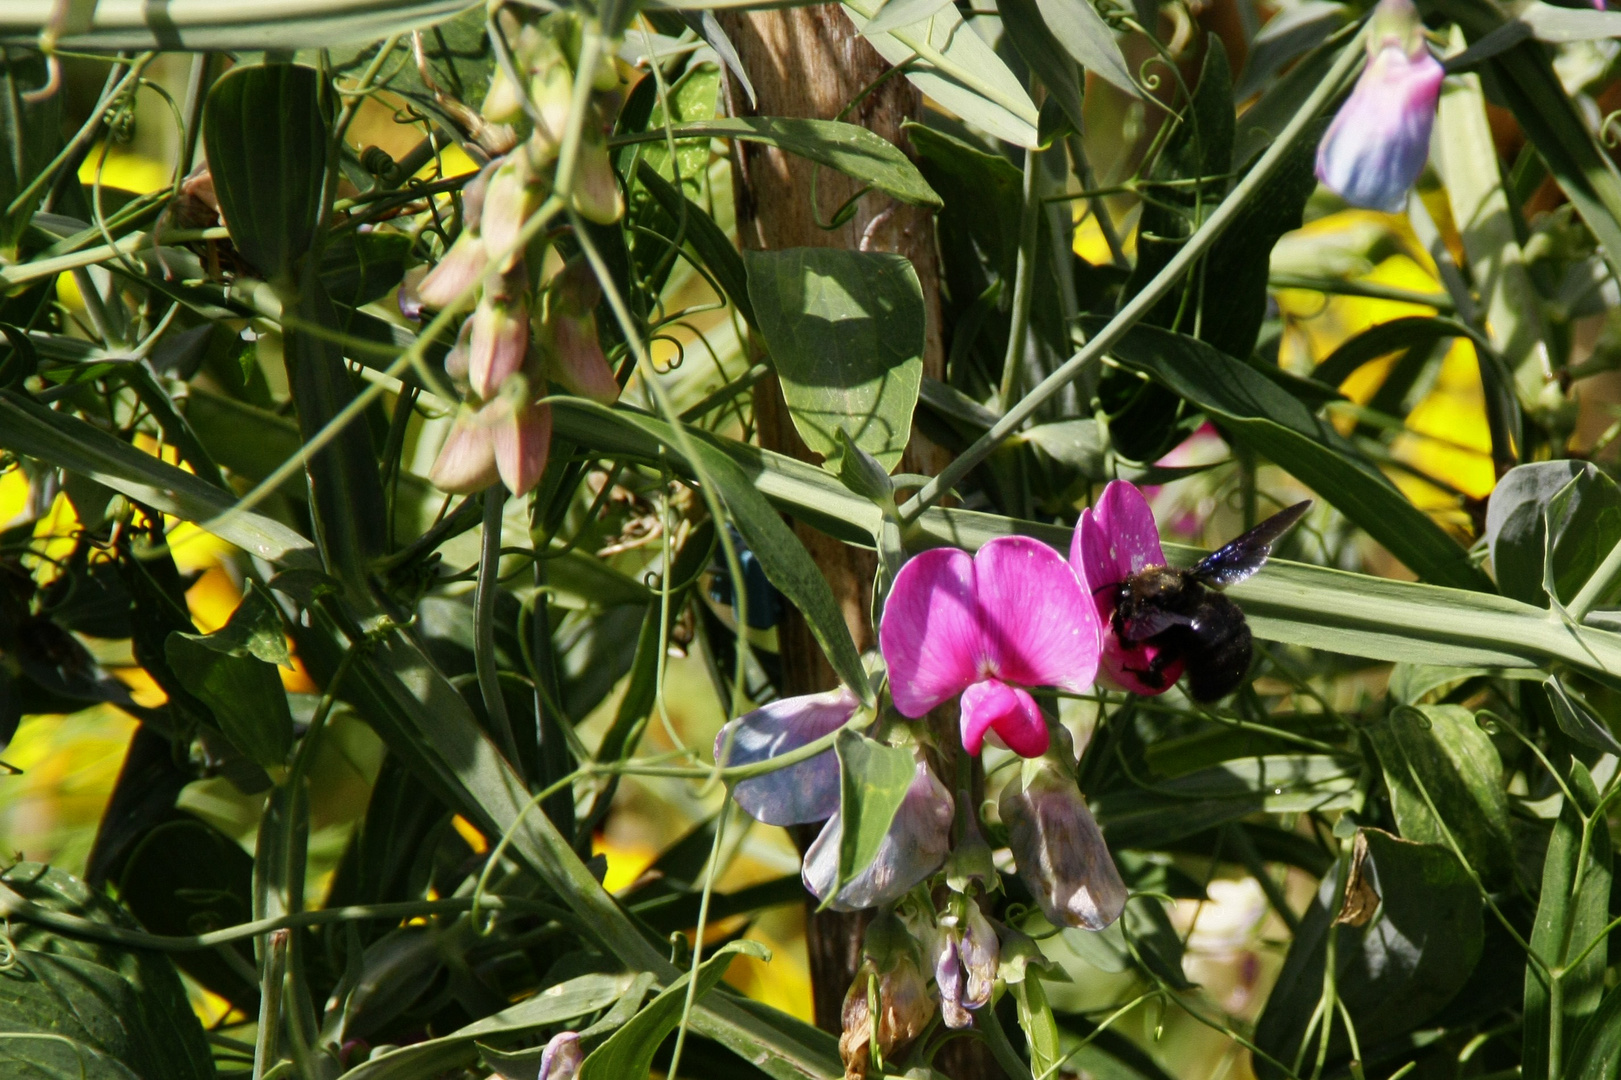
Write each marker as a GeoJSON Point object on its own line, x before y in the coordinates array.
{"type": "Point", "coordinates": [516, 341]}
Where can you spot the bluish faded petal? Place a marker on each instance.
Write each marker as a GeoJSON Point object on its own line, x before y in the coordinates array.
{"type": "Point", "coordinates": [562, 1058]}
{"type": "Point", "coordinates": [1060, 853]}
{"type": "Point", "coordinates": [914, 848]}
{"type": "Point", "coordinates": [1377, 145]}
{"type": "Point", "coordinates": [948, 977]}
{"type": "Point", "coordinates": [979, 953]}
{"type": "Point", "coordinates": [807, 791]}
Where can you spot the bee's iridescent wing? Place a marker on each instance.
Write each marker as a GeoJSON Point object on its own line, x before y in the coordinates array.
{"type": "Point", "coordinates": [1241, 558]}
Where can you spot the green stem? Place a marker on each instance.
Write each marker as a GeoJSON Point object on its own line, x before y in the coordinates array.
{"type": "Point", "coordinates": [265, 1047]}
{"type": "Point", "coordinates": [1024, 275]}
{"type": "Point", "coordinates": [1144, 301]}
{"type": "Point", "coordinates": [488, 588]}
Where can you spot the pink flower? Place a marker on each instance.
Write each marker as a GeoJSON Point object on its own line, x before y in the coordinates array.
{"type": "Point", "coordinates": [1015, 613]}
{"type": "Point", "coordinates": [1379, 141]}
{"type": "Point", "coordinates": [1112, 541]}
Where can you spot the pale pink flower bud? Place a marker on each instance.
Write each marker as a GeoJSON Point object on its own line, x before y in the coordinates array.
{"type": "Point", "coordinates": [499, 343]}
{"type": "Point", "coordinates": [567, 336]}
{"type": "Point", "coordinates": [514, 193]}
{"type": "Point", "coordinates": [1378, 143]}
{"type": "Point", "coordinates": [466, 462]}
{"type": "Point", "coordinates": [596, 194]}
{"type": "Point", "coordinates": [522, 434]}
{"type": "Point", "coordinates": [456, 274]}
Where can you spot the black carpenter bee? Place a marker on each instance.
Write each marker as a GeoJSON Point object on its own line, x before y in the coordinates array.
{"type": "Point", "coordinates": [1182, 613]}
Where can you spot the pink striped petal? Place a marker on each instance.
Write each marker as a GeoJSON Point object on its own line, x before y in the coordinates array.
{"type": "Point", "coordinates": [993, 705]}
{"type": "Point", "coordinates": [1114, 540]}
{"type": "Point", "coordinates": [930, 634]}
{"type": "Point", "coordinates": [1038, 628]}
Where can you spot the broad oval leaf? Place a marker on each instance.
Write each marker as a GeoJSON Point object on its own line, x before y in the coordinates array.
{"type": "Point", "coordinates": [845, 330]}
{"type": "Point", "coordinates": [76, 1008]}
{"type": "Point", "coordinates": [264, 129]}
{"type": "Point", "coordinates": [1436, 756]}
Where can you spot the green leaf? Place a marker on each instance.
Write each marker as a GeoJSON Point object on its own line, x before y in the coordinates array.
{"type": "Point", "coordinates": [1394, 971]}
{"type": "Point", "coordinates": [845, 330]}
{"type": "Point", "coordinates": [1382, 339]}
{"type": "Point", "coordinates": [873, 780]}
{"type": "Point", "coordinates": [243, 692]}
{"type": "Point", "coordinates": [30, 135]}
{"type": "Point", "coordinates": [1596, 1053]}
{"type": "Point", "coordinates": [1275, 783]}
{"type": "Point", "coordinates": [1085, 36]}
{"type": "Point", "coordinates": [230, 26]}
{"type": "Point", "coordinates": [1576, 719]}
{"type": "Point", "coordinates": [264, 129]}
{"type": "Point", "coordinates": [346, 492]}
{"type": "Point", "coordinates": [75, 1008]}
{"type": "Point", "coordinates": [35, 431]}
{"type": "Point", "coordinates": [737, 471]}
{"type": "Point", "coordinates": [1052, 64]}
{"type": "Point", "coordinates": [713, 247]}
{"type": "Point", "coordinates": [1572, 912]}
{"type": "Point", "coordinates": [1260, 414]}
{"type": "Point", "coordinates": [1438, 754]}
{"type": "Point", "coordinates": [951, 64]}
{"type": "Point", "coordinates": [628, 1053]}
{"type": "Point", "coordinates": [1583, 507]}
{"type": "Point", "coordinates": [852, 150]}
{"type": "Point", "coordinates": [359, 267]}
{"type": "Point", "coordinates": [184, 876]}
{"type": "Point", "coordinates": [564, 1001]}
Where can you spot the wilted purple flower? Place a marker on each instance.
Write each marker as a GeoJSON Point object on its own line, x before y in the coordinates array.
{"type": "Point", "coordinates": [914, 848]}
{"type": "Point", "coordinates": [891, 958]}
{"type": "Point", "coordinates": [1112, 541]}
{"type": "Point", "coordinates": [1058, 847]}
{"type": "Point", "coordinates": [1377, 145]}
{"type": "Point", "coordinates": [965, 961]}
{"type": "Point", "coordinates": [799, 793]}
{"type": "Point", "coordinates": [562, 1058]}
{"type": "Point", "coordinates": [1014, 613]}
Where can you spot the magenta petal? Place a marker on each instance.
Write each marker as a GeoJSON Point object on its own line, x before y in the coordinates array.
{"type": "Point", "coordinates": [1125, 539]}
{"type": "Point", "coordinates": [930, 634]}
{"type": "Point", "coordinates": [808, 791]}
{"type": "Point", "coordinates": [992, 705]}
{"type": "Point", "coordinates": [1038, 628]}
{"type": "Point", "coordinates": [1122, 666]}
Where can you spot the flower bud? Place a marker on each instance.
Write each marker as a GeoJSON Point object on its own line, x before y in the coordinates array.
{"type": "Point", "coordinates": [551, 90]}
{"type": "Point", "coordinates": [499, 343]}
{"type": "Point", "coordinates": [522, 436]}
{"type": "Point", "coordinates": [562, 1058]}
{"type": "Point", "coordinates": [455, 274]}
{"type": "Point", "coordinates": [567, 336]}
{"type": "Point", "coordinates": [514, 193]}
{"type": "Point", "coordinates": [914, 848]}
{"type": "Point", "coordinates": [1058, 848]}
{"type": "Point", "coordinates": [966, 954]}
{"type": "Point", "coordinates": [466, 462]}
{"type": "Point", "coordinates": [892, 971]}
{"type": "Point", "coordinates": [596, 194]}
{"type": "Point", "coordinates": [456, 358]}
{"type": "Point", "coordinates": [1378, 143]}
